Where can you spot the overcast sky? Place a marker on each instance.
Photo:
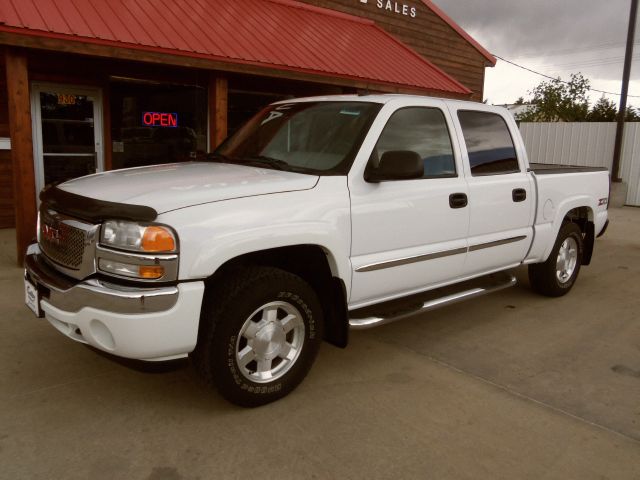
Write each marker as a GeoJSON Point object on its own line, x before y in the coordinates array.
{"type": "Point", "coordinates": [556, 37]}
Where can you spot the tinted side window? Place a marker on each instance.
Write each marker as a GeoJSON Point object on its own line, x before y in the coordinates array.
{"type": "Point", "coordinates": [421, 130]}
{"type": "Point", "coordinates": [489, 143]}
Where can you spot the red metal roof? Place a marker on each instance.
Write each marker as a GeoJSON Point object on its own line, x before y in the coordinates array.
{"type": "Point", "coordinates": [280, 34]}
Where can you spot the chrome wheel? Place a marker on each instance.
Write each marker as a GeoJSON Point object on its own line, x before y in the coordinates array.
{"type": "Point", "coordinates": [567, 260]}
{"type": "Point", "coordinates": [270, 342]}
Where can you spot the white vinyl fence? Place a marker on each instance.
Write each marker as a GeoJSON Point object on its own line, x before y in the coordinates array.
{"type": "Point", "coordinates": [586, 144]}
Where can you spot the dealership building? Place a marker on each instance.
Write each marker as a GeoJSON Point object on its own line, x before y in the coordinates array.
{"type": "Point", "coordinates": [95, 85]}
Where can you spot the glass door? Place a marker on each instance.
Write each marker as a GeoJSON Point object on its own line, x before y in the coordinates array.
{"type": "Point", "coordinates": [67, 126]}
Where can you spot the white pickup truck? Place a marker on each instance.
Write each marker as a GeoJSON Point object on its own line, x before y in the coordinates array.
{"type": "Point", "coordinates": [319, 215]}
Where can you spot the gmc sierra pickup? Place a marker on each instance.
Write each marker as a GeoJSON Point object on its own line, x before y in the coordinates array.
{"type": "Point", "coordinates": [319, 215]}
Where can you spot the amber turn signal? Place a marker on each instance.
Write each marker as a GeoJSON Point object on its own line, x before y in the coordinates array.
{"type": "Point", "coordinates": [158, 239]}
{"type": "Point", "coordinates": [151, 272]}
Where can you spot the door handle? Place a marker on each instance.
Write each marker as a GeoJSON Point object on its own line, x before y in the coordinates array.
{"type": "Point", "coordinates": [458, 200]}
{"type": "Point", "coordinates": [519, 195]}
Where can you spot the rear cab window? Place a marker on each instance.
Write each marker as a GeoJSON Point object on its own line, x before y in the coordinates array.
{"type": "Point", "coordinates": [489, 143]}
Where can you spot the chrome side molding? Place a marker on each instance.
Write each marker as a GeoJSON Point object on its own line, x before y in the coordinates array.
{"type": "Point", "coordinates": [497, 243]}
{"type": "Point", "coordinates": [432, 256]}
{"type": "Point", "coordinates": [408, 260]}
{"type": "Point", "coordinates": [433, 302]}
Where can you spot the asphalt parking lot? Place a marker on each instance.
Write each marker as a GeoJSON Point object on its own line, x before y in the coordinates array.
{"type": "Point", "coordinates": [507, 386]}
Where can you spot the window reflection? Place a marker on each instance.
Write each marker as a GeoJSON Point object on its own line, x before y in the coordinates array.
{"type": "Point", "coordinates": [421, 130]}
{"type": "Point", "coordinates": [489, 143]}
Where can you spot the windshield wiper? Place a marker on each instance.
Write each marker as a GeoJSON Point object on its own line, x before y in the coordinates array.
{"type": "Point", "coordinates": [263, 160]}
{"type": "Point", "coordinates": [219, 157]}
{"type": "Point", "coordinates": [257, 161]}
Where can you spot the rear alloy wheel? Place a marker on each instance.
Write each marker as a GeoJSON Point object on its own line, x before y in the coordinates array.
{"type": "Point", "coordinates": [556, 276]}
{"type": "Point", "coordinates": [260, 332]}
{"type": "Point", "coordinates": [567, 260]}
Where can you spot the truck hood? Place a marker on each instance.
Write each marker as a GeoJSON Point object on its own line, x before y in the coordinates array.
{"type": "Point", "coordinates": [179, 185]}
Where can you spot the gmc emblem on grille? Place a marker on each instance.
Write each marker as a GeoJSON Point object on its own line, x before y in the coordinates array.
{"type": "Point", "coordinates": [51, 234]}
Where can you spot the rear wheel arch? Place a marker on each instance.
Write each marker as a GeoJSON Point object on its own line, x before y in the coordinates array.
{"type": "Point", "coordinates": [556, 276]}
{"type": "Point", "coordinates": [583, 217]}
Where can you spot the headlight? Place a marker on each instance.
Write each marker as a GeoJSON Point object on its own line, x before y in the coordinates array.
{"type": "Point", "coordinates": [138, 238]}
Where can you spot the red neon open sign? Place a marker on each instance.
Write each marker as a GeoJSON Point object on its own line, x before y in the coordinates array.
{"type": "Point", "coordinates": [160, 119]}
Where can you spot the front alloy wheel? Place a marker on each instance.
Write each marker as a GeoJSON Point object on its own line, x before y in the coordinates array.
{"type": "Point", "coordinates": [260, 330]}
{"type": "Point", "coordinates": [270, 342]}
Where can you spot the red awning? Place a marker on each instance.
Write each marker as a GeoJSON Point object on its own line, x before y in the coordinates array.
{"type": "Point", "coordinates": [275, 34]}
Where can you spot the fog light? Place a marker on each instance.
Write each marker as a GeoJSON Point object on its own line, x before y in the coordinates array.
{"type": "Point", "coordinates": [147, 272]}
{"type": "Point", "coordinates": [152, 272]}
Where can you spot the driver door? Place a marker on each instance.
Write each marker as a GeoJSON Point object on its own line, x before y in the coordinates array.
{"type": "Point", "coordinates": [410, 235]}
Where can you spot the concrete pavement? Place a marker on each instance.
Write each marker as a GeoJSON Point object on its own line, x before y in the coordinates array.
{"type": "Point", "coordinates": [507, 386]}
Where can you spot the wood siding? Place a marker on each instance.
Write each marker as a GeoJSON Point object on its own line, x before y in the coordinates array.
{"type": "Point", "coordinates": [427, 34]}
{"type": "Point", "coordinates": [7, 206]}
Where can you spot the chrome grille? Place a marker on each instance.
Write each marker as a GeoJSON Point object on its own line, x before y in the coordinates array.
{"type": "Point", "coordinates": [63, 240]}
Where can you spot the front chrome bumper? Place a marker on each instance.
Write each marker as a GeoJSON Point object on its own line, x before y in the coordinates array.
{"type": "Point", "coordinates": [146, 323]}
{"type": "Point", "coordinates": [71, 295]}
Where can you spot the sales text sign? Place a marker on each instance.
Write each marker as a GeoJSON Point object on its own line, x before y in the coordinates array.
{"type": "Point", "coordinates": [399, 8]}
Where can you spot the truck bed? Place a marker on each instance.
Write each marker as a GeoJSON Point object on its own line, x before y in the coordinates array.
{"type": "Point", "coordinates": [547, 169]}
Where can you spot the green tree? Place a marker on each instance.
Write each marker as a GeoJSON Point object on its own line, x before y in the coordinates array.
{"type": "Point", "coordinates": [604, 110]}
{"type": "Point", "coordinates": [559, 101]}
{"type": "Point", "coordinates": [632, 115]}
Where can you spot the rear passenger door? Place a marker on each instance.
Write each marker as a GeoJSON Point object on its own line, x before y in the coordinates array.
{"type": "Point", "coordinates": [500, 192]}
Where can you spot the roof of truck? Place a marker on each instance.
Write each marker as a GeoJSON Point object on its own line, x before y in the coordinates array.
{"type": "Point", "coordinates": [386, 98]}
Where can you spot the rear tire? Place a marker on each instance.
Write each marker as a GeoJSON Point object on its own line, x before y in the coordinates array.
{"type": "Point", "coordinates": [260, 333]}
{"type": "Point", "coordinates": [557, 275]}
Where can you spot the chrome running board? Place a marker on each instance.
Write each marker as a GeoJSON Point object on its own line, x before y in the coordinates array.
{"type": "Point", "coordinates": [376, 315]}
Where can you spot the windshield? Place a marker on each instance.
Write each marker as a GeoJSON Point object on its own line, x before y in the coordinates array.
{"type": "Point", "coordinates": [321, 138]}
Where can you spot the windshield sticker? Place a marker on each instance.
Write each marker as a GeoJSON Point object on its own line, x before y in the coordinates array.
{"type": "Point", "coordinates": [276, 113]}
{"type": "Point", "coordinates": [355, 113]}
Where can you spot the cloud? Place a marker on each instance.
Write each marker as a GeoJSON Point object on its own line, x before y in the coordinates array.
{"type": "Point", "coordinates": [556, 37]}
{"type": "Point", "coordinates": [515, 26]}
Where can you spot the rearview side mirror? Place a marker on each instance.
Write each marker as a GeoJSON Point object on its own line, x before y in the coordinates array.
{"type": "Point", "coordinates": [396, 165]}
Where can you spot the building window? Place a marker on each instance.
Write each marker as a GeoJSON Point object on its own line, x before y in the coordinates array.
{"type": "Point", "coordinates": [155, 123]}
{"type": "Point", "coordinates": [489, 143]}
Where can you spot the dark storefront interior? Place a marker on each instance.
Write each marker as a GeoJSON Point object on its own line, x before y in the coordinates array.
{"type": "Point", "coordinates": [176, 133]}
{"type": "Point", "coordinates": [68, 137]}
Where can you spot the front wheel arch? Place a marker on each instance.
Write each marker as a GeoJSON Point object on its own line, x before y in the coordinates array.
{"type": "Point", "coordinates": [313, 264]}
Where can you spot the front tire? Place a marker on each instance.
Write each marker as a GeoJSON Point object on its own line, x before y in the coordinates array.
{"type": "Point", "coordinates": [557, 275]}
{"type": "Point", "coordinates": [261, 330]}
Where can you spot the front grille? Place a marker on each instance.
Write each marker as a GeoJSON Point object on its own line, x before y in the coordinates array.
{"type": "Point", "coordinates": [60, 241]}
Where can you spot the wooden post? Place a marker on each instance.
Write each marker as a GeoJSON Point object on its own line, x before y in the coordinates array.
{"type": "Point", "coordinates": [24, 180]}
{"type": "Point", "coordinates": [107, 146]}
{"type": "Point", "coordinates": [218, 106]}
